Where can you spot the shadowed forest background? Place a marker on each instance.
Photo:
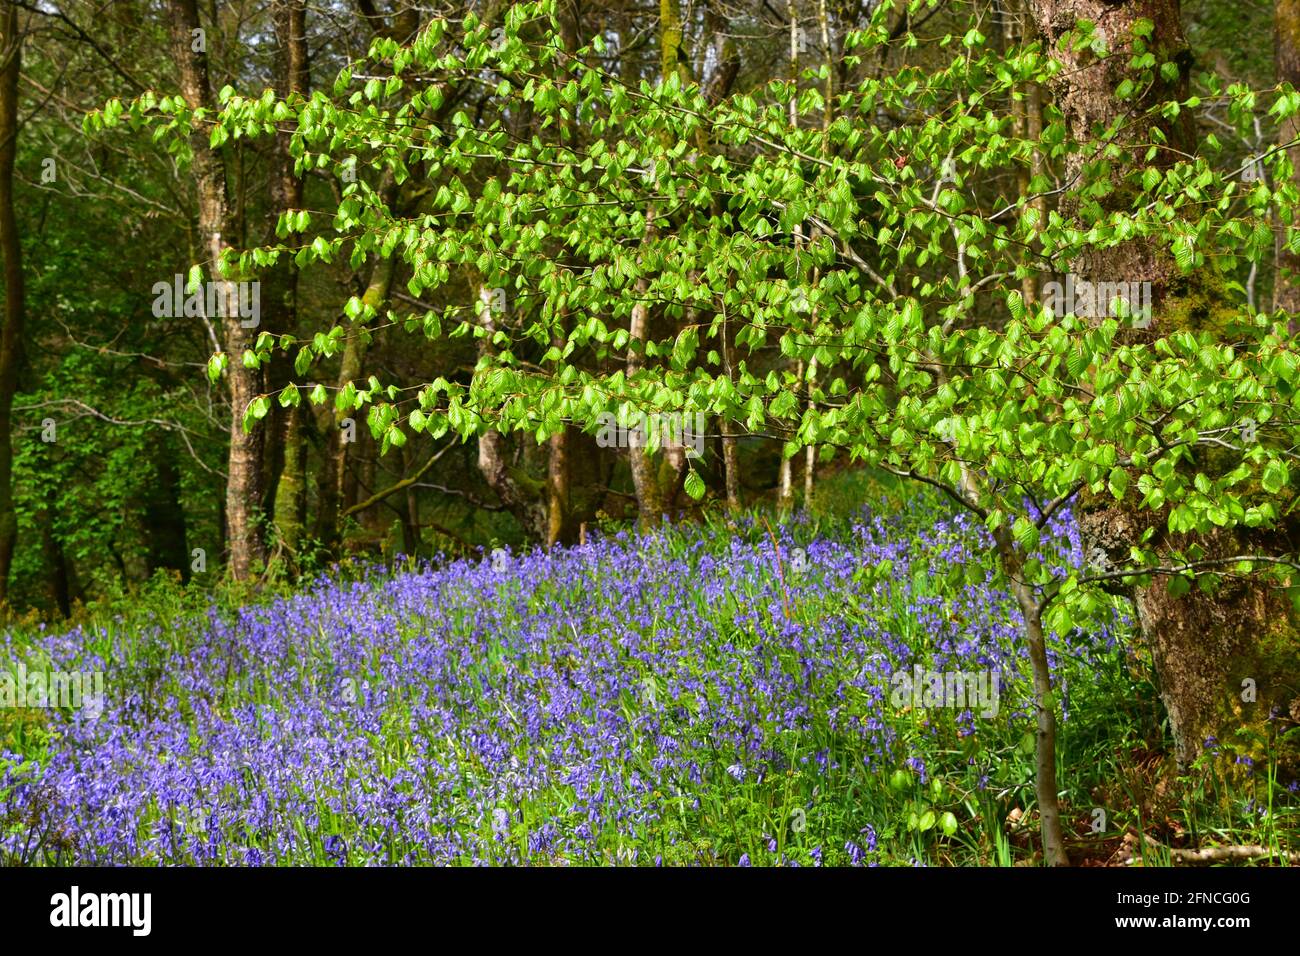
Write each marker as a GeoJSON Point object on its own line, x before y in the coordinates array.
{"type": "Point", "coordinates": [136, 478]}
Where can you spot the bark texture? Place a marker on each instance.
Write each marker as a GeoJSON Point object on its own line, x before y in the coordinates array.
{"type": "Point", "coordinates": [11, 333]}
{"type": "Point", "coordinates": [519, 492]}
{"type": "Point", "coordinates": [1201, 641]}
{"type": "Point", "coordinates": [244, 481]}
{"type": "Point", "coordinates": [287, 473]}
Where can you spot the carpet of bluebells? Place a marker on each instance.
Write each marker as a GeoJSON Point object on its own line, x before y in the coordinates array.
{"type": "Point", "coordinates": [695, 696]}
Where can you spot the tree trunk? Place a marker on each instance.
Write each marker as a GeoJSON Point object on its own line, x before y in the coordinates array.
{"type": "Point", "coordinates": [164, 517]}
{"type": "Point", "coordinates": [649, 501]}
{"type": "Point", "coordinates": [1049, 807]}
{"type": "Point", "coordinates": [287, 487]}
{"type": "Point", "coordinates": [1027, 116]}
{"type": "Point", "coordinates": [332, 482]}
{"type": "Point", "coordinates": [1199, 643]}
{"type": "Point", "coordinates": [11, 334]}
{"type": "Point", "coordinates": [558, 478]}
{"type": "Point", "coordinates": [730, 455]}
{"type": "Point", "coordinates": [785, 479]}
{"type": "Point", "coordinates": [56, 563]}
{"type": "Point", "coordinates": [244, 465]}
{"type": "Point", "coordinates": [810, 453]}
{"type": "Point", "coordinates": [731, 471]}
{"type": "Point", "coordinates": [1286, 55]}
{"type": "Point", "coordinates": [557, 489]}
{"type": "Point", "coordinates": [521, 495]}
{"type": "Point", "coordinates": [671, 58]}
{"type": "Point", "coordinates": [726, 58]}
{"type": "Point", "coordinates": [410, 509]}
{"type": "Point", "coordinates": [291, 487]}
{"type": "Point", "coordinates": [650, 496]}
{"type": "Point", "coordinates": [333, 475]}
{"type": "Point", "coordinates": [675, 465]}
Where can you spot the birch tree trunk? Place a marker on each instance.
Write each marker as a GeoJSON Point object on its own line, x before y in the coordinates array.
{"type": "Point", "coordinates": [244, 464]}
{"type": "Point", "coordinates": [785, 477]}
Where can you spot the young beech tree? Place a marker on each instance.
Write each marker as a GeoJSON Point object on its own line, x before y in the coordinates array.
{"type": "Point", "coordinates": [859, 249]}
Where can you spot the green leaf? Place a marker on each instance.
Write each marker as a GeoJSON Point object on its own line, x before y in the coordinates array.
{"type": "Point", "coordinates": [1275, 476]}
{"type": "Point", "coordinates": [257, 409]}
{"type": "Point", "coordinates": [1025, 532]}
{"type": "Point", "coordinates": [1016, 305]}
{"type": "Point", "coordinates": [694, 485]}
{"type": "Point", "coordinates": [1118, 483]}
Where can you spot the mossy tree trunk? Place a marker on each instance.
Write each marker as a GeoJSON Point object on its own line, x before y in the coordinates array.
{"type": "Point", "coordinates": [287, 482]}
{"type": "Point", "coordinates": [10, 248]}
{"type": "Point", "coordinates": [1202, 643]}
